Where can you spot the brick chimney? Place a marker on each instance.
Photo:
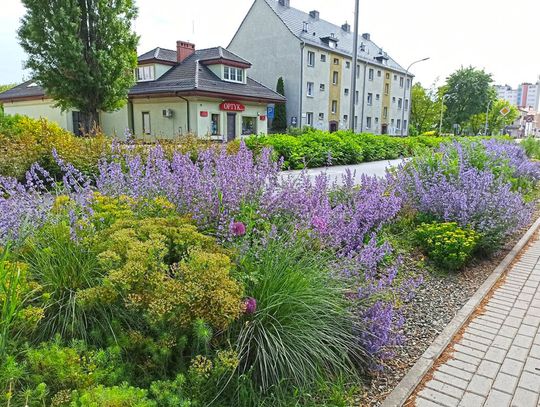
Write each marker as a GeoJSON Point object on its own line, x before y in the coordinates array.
{"type": "Point", "coordinates": [285, 3]}
{"type": "Point", "coordinates": [346, 27]}
{"type": "Point", "coordinates": [366, 36]}
{"type": "Point", "coordinates": [183, 50]}
{"type": "Point", "coordinates": [314, 14]}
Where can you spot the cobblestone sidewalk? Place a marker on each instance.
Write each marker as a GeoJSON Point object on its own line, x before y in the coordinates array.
{"type": "Point", "coordinates": [496, 362]}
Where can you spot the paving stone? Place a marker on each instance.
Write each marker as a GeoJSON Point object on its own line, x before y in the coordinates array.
{"type": "Point", "coordinates": [498, 399]}
{"type": "Point", "coordinates": [530, 320]}
{"type": "Point", "coordinates": [502, 342]}
{"type": "Point", "coordinates": [527, 330]}
{"type": "Point", "coordinates": [524, 398]}
{"type": "Point", "coordinates": [505, 382]}
{"type": "Point", "coordinates": [475, 345]}
{"type": "Point", "coordinates": [445, 388]}
{"type": "Point", "coordinates": [513, 322]}
{"type": "Point", "coordinates": [488, 369]}
{"type": "Point", "coordinates": [477, 339]}
{"type": "Point", "coordinates": [533, 365]}
{"type": "Point", "coordinates": [464, 357]}
{"type": "Point", "coordinates": [529, 381]}
{"type": "Point", "coordinates": [438, 397]}
{"type": "Point", "coordinates": [535, 351]}
{"type": "Point", "coordinates": [520, 313]}
{"type": "Point", "coordinates": [508, 331]}
{"type": "Point", "coordinates": [517, 353]}
{"type": "Point", "coordinates": [495, 355]}
{"type": "Point", "coordinates": [512, 367]}
{"type": "Point", "coordinates": [421, 402]}
{"type": "Point", "coordinates": [471, 400]}
{"type": "Point", "coordinates": [523, 341]}
{"type": "Point", "coordinates": [480, 385]}
{"type": "Point", "coordinates": [451, 380]}
{"type": "Point", "coordinates": [459, 364]}
{"type": "Point", "coordinates": [483, 328]}
{"type": "Point", "coordinates": [533, 311]}
{"type": "Point", "coordinates": [468, 351]}
{"type": "Point", "coordinates": [458, 373]}
{"type": "Point", "coordinates": [482, 334]}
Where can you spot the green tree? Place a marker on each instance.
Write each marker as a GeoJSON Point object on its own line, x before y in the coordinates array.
{"type": "Point", "coordinates": [468, 92]}
{"type": "Point", "coordinates": [279, 124]}
{"type": "Point", "coordinates": [82, 52]}
{"type": "Point", "coordinates": [496, 120]}
{"type": "Point", "coordinates": [3, 88]}
{"type": "Point", "coordinates": [426, 108]}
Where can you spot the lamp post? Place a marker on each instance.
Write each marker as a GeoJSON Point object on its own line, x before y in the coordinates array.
{"type": "Point", "coordinates": [442, 113]}
{"type": "Point", "coordinates": [487, 117]}
{"type": "Point", "coordinates": [355, 63]}
{"type": "Point", "coordinates": [405, 95]}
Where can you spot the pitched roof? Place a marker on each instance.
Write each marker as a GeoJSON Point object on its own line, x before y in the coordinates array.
{"type": "Point", "coordinates": [294, 19]}
{"type": "Point", "coordinates": [191, 76]}
{"type": "Point", "coordinates": [161, 54]}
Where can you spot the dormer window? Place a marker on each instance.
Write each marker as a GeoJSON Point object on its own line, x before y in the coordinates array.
{"type": "Point", "coordinates": [233, 74]}
{"type": "Point", "coordinates": [145, 73]}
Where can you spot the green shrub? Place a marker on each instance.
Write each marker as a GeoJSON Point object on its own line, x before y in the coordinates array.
{"type": "Point", "coordinates": [117, 396]}
{"type": "Point", "coordinates": [532, 147]}
{"type": "Point", "coordinates": [446, 244]}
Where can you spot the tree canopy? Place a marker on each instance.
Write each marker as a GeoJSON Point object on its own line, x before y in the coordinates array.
{"type": "Point", "coordinates": [426, 106]}
{"type": "Point", "coordinates": [280, 114]}
{"type": "Point", "coordinates": [81, 52]}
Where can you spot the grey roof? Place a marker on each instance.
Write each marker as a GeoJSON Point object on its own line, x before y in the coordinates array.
{"type": "Point", "coordinates": [158, 53]}
{"type": "Point", "coordinates": [27, 89]}
{"type": "Point", "coordinates": [317, 28]}
{"type": "Point", "coordinates": [169, 55]}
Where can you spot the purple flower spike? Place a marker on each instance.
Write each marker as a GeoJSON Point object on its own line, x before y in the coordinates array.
{"type": "Point", "coordinates": [251, 305]}
{"type": "Point", "coordinates": [238, 229]}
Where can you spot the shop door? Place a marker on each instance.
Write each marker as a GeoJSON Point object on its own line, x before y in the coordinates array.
{"type": "Point", "coordinates": [231, 126]}
{"type": "Point", "coordinates": [333, 126]}
{"type": "Point", "coordinates": [384, 129]}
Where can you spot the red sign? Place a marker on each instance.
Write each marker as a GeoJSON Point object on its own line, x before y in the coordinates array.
{"type": "Point", "coordinates": [232, 107]}
{"type": "Point", "coordinates": [262, 117]}
{"type": "Point", "coordinates": [204, 113]}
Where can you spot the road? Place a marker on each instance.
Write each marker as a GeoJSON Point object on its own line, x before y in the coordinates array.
{"type": "Point", "coordinates": [377, 168]}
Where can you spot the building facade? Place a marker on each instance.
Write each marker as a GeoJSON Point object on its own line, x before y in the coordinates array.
{"type": "Point", "coordinates": [527, 95]}
{"type": "Point", "coordinates": [184, 91]}
{"type": "Point", "coordinates": [314, 57]}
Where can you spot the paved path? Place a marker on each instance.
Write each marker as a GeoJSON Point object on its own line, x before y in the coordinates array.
{"type": "Point", "coordinates": [496, 362]}
{"type": "Point", "coordinates": [377, 168]}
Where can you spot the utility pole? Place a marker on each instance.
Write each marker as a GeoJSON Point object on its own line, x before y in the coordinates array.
{"type": "Point", "coordinates": [355, 65]}
{"type": "Point", "coordinates": [487, 117]}
{"type": "Point", "coordinates": [442, 113]}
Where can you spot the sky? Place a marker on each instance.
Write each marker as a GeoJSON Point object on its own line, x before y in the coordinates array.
{"type": "Point", "coordinates": [499, 36]}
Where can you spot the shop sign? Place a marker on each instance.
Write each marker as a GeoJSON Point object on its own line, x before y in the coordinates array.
{"type": "Point", "coordinates": [262, 117]}
{"type": "Point", "coordinates": [204, 113]}
{"type": "Point", "coordinates": [232, 107]}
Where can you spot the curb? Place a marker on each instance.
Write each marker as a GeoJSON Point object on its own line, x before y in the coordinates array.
{"type": "Point", "coordinates": [414, 376]}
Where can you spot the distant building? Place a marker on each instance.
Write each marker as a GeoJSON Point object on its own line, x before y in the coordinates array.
{"type": "Point", "coordinates": [314, 57]}
{"type": "Point", "coordinates": [185, 91]}
{"type": "Point", "coordinates": [506, 92]}
{"type": "Point", "coordinates": [527, 95]}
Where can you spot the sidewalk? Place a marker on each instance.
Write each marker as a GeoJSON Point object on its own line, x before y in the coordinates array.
{"type": "Point", "coordinates": [496, 362]}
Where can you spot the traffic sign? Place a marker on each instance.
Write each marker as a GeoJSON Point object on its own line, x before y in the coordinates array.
{"type": "Point", "coordinates": [270, 112]}
{"type": "Point", "coordinates": [505, 110]}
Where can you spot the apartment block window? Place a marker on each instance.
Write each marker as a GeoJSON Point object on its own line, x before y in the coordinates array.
{"type": "Point", "coordinates": [368, 122]}
{"type": "Point", "coordinates": [322, 87]}
{"type": "Point", "coordinates": [321, 116]}
{"type": "Point", "coordinates": [356, 97]}
{"type": "Point", "coordinates": [394, 99]}
{"type": "Point", "coordinates": [335, 77]}
{"type": "Point", "coordinates": [347, 64]}
{"type": "Point", "coordinates": [406, 104]}
{"type": "Point", "coordinates": [408, 83]}
{"type": "Point", "coordinates": [401, 81]}
{"type": "Point", "coordinates": [370, 75]}
{"type": "Point", "coordinates": [387, 75]}
{"type": "Point", "coordinates": [309, 89]}
{"type": "Point", "coordinates": [146, 127]}
{"type": "Point", "coordinates": [400, 103]}
{"type": "Point", "coordinates": [215, 124]}
{"type": "Point", "coordinates": [336, 61]}
{"type": "Point", "coordinates": [310, 58]}
{"type": "Point", "coordinates": [357, 71]}
{"type": "Point", "coordinates": [145, 73]}
{"type": "Point", "coordinates": [379, 73]}
{"type": "Point", "coordinates": [392, 123]}
{"type": "Point", "coordinates": [346, 92]}
{"type": "Point", "coordinates": [334, 106]}
{"type": "Point", "coordinates": [395, 77]}
{"type": "Point", "coordinates": [376, 120]}
{"type": "Point", "coordinates": [377, 97]}
{"type": "Point", "coordinates": [309, 118]}
{"type": "Point", "coordinates": [386, 88]}
{"type": "Point", "coordinates": [345, 117]}
{"type": "Point", "coordinates": [370, 99]}
{"type": "Point", "coordinates": [233, 74]}
{"type": "Point", "coordinates": [323, 57]}
{"type": "Point", "coordinates": [385, 113]}
{"type": "Point", "coordinates": [355, 124]}
{"type": "Point", "coordinates": [405, 125]}
{"type": "Point", "coordinates": [398, 124]}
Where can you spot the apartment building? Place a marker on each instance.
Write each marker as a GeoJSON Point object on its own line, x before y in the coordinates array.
{"type": "Point", "coordinates": [314, 57]}
{"type": "Point", "coordinates": [527, 95]}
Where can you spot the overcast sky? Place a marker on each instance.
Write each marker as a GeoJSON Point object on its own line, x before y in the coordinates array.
{"type": "Point", "coordinates": [499, 35]}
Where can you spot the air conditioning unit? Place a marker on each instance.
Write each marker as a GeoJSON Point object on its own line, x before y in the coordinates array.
{"type": "Point", "coordinates": [167, 113]}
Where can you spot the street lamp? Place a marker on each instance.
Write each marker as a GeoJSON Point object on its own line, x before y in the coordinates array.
{"type": "Point", "coordinates": [405, 94]}
{"type": "Point", "coordinates": [487, 116]}
{"type": "Point", "coordinates": [442, 113]}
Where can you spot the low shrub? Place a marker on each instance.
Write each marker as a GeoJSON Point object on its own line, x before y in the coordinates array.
{"type": "Point", "coordinates": [446, 244]}
{"type": "Point", "coordinates": [116, 396]}
{"type": "Point", "coordinates": [531, 146]}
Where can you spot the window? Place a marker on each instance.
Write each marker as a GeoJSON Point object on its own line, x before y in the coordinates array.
{"type": "Point", "coordinates": [379, 74]}
{"type": "Point", "coordinates": [335, 78]}
{"type": "Point", "coordinates": [345, 117]}
{"type": "Point", "coordinates": [395, 77]}
{"type": "Point", "coordinates": [394, 99]}
{"type": "Point", "coordinates": [400, 103]}
{"type": "Point", "coordinates": [146, 128]}
{"type": "Point", "coordinates": [370, 99]}
{"type": "Point", "coordinates": [322, 87]}
{"type": "Point", "coordinates": [321, 116]}
{"type": "Point", "coordinates": [248, 126]}
{"type": "Point", "coordinates": [310, 58]}
{"type": "Point", "coordinates": [336, 61]}
{"type": "Point", "coordinates": [376, 120]}
{"type": "Point", "coordinates": [215, 124]}
{"type": "Point", "coordinates": [370, 75]}
{"type": "Point", "coordinates": [405, 125]}
{"type": "Point", "coordinates": [145, 73]}
{"type": "Point", "coordinates": [323, 57]}
{"type": "Point", "coordinates": [356, 97]}
{"type": "Point", "coordinates": [368, 122]}
{"type": "Point", "coordinates": [309, 118]}
{"type": "Point", "coordinates": [347, 64]}
{"type": "Point", "coordinates": [408, 83]}
{"type": "Point", "coordinates": [398, 124]}
{"type": "Point", "coordinates": [310, 86]}
{"type": "Point", "coordinates": [357, 71]}
{"type": "Point", "coordinates": [385, 113]}
{"type": "Point", "coordinates": [387, 75]}
{"type": "Point", "coordinates": [233, 74]}
{"type": "Point", "coordinates": [355, 124]}
{"type": "Point", "coordinates": [346, 92]}
{"type": "Point", "coordinates": [401, 81]}
{"type": "Point", "coordinates": [334, 106]}
{"type": "Point", "coordinates": [377, 97]}
{"type": "Point", "coordinates": [386, 88]}
{"type": "Point", "coordinates": [406, 104]}
{"type": "Point", "coordinates": [392, 123]}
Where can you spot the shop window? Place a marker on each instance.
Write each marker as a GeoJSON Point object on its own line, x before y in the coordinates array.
{"type": "Point", "coordinates": [248, 126]}
{"type": "Point", "coordinates": [145, 73]}
{"type": "Point", "coordinates": [215, 124]}
{"type": "Point", "coordinates": [147, 129]}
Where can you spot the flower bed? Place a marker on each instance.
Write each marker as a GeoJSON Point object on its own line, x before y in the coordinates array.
{"type": "Point", "coordinates": [174, 280]}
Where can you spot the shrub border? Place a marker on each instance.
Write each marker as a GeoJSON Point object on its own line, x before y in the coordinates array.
{"type": "Point", "coordinates": [423, 365]}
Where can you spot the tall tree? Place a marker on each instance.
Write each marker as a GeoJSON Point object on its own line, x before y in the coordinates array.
{"type": "Point", "coordinates": [82, 52]}
{"type": "Point", "coordinates": [468, 92]}
{"type": "Point", "coordinates": [426, 108]}
{"type": "Point", "coordinates": [279, 124]}
{"type": "Point", "coordinates": [496, 120]}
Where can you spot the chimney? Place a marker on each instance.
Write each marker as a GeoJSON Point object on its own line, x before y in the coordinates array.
{"type": "Point", "coordinates": [346, 27]}
{"type": "Point", "coordinates": [366, 36]}
{"type": "Point", "coordinates": [285, 3]}
{"type": "Point", "coordinates": [314, 14]}
{"type": "Point", "coordinates": [183, 50]}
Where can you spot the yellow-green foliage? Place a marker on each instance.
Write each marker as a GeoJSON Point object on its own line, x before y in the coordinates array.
{"type": "Point", "coordinates": [448, 245]}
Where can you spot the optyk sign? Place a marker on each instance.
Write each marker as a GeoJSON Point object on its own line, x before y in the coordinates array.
{"type": "Point", "coordinates": [232, 107]}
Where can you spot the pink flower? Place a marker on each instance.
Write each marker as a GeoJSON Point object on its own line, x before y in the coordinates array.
{"type": "Point", "coordinates": [238, 229]}
{"type": "Point", "coordinates": [251, 305]}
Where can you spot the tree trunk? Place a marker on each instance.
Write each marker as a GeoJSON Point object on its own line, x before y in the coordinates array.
{"type": "Point", "coordinates": [91, 122]}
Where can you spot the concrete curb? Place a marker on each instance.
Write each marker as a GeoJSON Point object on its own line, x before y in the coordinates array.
{"type": "Point", "coordinates": [414, 376]}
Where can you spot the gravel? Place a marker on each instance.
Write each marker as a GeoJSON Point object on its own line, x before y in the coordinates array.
{"type": "Point", "coordinates": [436, 302]}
